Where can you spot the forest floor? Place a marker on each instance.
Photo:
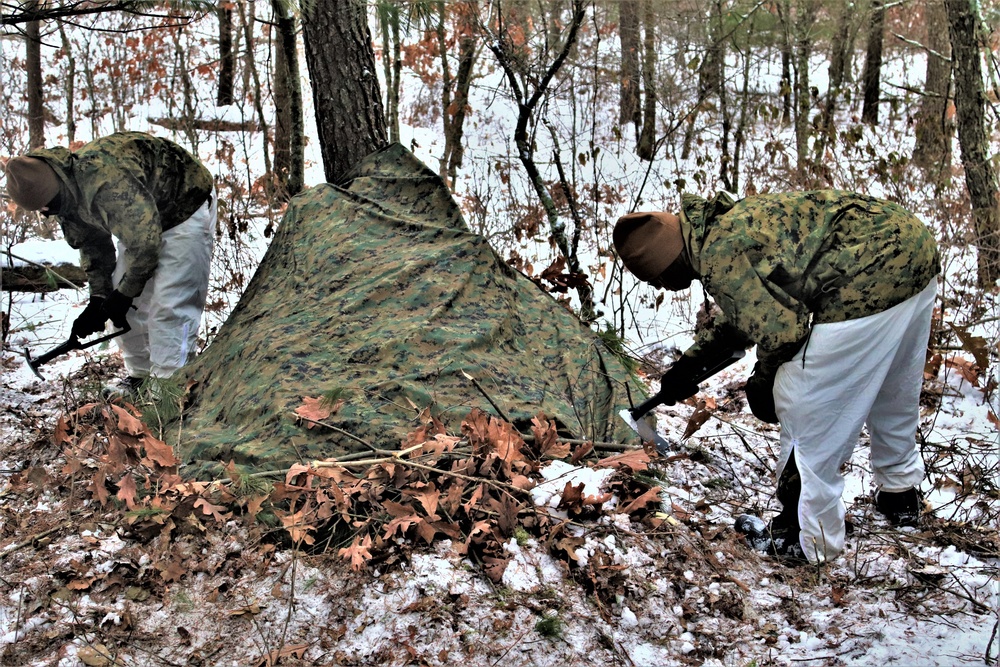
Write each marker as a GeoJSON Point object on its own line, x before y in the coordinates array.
{"type": "Point", "coordinates": [82, 583]}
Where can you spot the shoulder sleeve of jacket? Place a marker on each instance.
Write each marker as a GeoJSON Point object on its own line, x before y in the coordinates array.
{"type": "Point", "coordinates": [757, 309]}
{"type": "Point", "coordinates": [129, 212]}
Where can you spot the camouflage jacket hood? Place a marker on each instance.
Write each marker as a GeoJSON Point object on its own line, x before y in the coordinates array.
{"type": "Point", "coordinates": [776, 263]}
{"type": "Point", "coordinates": [130, 186]}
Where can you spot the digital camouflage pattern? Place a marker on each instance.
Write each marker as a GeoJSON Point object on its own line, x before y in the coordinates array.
{"type": "Point", "coordinates": [775, 263]}
{"type": "Point", "coordinates": [131, 186]}
{"type": "Point", "coordinates": [379, 289]}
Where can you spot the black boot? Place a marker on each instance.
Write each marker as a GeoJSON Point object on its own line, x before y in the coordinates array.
{"type": "Point", "coordinates": [901, 508]}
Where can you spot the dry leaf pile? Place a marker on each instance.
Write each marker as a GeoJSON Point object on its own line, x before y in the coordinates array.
{"type": "Point", "coordinates": [472, 489]}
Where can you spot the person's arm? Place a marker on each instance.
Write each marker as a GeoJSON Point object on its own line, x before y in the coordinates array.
{"type": "Point", "coordinates": [97, 255]}
{"type": "Point", "coordinates": [130, 214]}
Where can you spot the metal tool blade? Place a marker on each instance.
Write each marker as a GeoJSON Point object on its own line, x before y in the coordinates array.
{"type": "Point", "coordinates": [646, 432]}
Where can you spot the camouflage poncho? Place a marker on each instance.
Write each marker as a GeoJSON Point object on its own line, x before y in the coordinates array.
{"type": "Point", "coordinates": [776, 263]}
{"type": "Point", "coordinates": [131, 186]}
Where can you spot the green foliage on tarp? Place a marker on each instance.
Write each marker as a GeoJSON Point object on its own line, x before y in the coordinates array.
{"type": "Point", "coordinates": [377, 290]}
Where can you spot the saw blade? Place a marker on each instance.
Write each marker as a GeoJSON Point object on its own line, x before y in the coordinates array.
{"type": "Point", "coordinates": [646, 432]}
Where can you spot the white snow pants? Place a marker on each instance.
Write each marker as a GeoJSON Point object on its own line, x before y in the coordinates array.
{"type": "Point", "coordinates": [863, 371]}
{"type": "Point", "coordinates": [167, 314]}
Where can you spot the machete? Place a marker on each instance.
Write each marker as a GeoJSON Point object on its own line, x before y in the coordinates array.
{"type": "Point", "coordinates": [634, 417]}
{"type": "Point", "coordinates": [74, 343]}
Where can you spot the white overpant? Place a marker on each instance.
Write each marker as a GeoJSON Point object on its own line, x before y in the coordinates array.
{"type": "Point", "coordinates": [863, 371]}
{"type": "Point", "coordinates": [165, 321]}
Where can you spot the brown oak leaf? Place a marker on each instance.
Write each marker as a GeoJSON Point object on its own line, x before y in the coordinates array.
{"type": "Point", "coordinates": [317, 409]}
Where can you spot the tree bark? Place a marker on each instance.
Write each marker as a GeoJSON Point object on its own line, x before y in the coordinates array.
{"type": "Point", "coordinates": [457, 110]}
{"type": "Point", "coordinates": [804, 23]}
{"type": "Point", "coordinates": [349, 113]}
{"type": "Point", "coordinates": [69, 85]}
{"type": "Point", "coordinates": [227, 59]}
{"type": "Point", "coordinates": [934, 129]}
{"type": "Point", "coordinates": [873, 64]}
{"type": "Point", "coordinates": [629, 98]}
{"type": "Point", "coordinates": [388, 15]}
{"type": "Point", "coordinates": [784, 15]}
{"type": "Point", "coordinates": [838, 65]}
{"type": "Point", "coordinates": [36, 97]}
{"type": "Point", "coordinates": [246, 22]}
{"type": "Point", "coordinates": [289, 127]}
{"type": "Point", "coordinates": [646, 148]}
{"type": "Point", "coordinates": [970, 105]}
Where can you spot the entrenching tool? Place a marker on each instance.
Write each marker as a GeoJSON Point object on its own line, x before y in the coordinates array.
{"type": "Point", "coordinates": [73, 343]}
{"type": "Point", "coordinates": [633, 417]}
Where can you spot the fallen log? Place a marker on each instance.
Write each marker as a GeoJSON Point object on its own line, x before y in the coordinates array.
{"type": "Point", "coordinates": [39, 278]}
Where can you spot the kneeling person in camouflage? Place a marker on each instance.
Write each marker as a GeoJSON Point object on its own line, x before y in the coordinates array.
{"type": "Point", "coordinates": [836, 290]}
{"type": "Point", "coordinates": [157, 200]}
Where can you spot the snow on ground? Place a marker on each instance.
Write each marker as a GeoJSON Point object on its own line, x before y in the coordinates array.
{"type": "Point", "coordinates": [692, 594]}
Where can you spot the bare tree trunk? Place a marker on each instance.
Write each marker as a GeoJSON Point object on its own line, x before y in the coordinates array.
{"type": "Point", "coordinates": [69, 85]}
{"type": "Point", "coordinates": [459, 107]}
{"type": "Point", "coordinates": [289, 130]}
{"type": "Point", "coordinates": [784, 15]}
{"type": "Point", "coordinates": [710, 74]}
{"type": "Point", "coordinates": [227, 59]}
{"type": "Point", "coordinates": [36, 96]}
{"type": "Point", "coordinates": [388, 15]}
{"type": "Point", "coordinates": [341, 61]}
{"type": "Point", "coordinates": [189, 113]}
{"type": "Point", "coordinates": [970, 105]}
{"type": "Point", "coordinates": [934, 130]}
{"type": "Point", "coordinates": [629, 98]}
{"type": "Point", "coordinates": [745, 115]}
{"type": "Point", "coordinates": [838, 65]}
{"type": "Point", "coordinates": [718, 51]}
{"type": "Point", "coordinates": [646, 148]}
{"type": "Point", "coordinates": [246, 22]}
{"type": "Point", "coordinates": [873, 64]}
{"type": "Point", "coordinates": [804, 23]}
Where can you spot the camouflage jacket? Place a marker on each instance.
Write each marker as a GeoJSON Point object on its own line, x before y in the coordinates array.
{"type": "Point", "coordinates": [776, 263]}
{"type": "Point", "coordinates": [131, 186]}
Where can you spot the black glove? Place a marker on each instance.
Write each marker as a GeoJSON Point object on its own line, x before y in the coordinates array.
{"type": "Point", "coordinates": [678, 382]}
{"type": "Point", "coordinates": [92, 319]}
{"type": "Point", "coordinates": [116, 308]}
{"type": "Point", "coordinates": [760, 394]}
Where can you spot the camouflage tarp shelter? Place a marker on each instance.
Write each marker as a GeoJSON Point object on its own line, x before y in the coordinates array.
{"type": "Point", "coordinates": [379, 289]}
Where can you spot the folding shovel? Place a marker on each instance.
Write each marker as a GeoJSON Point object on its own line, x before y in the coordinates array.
{"type": "Point", "coordinates": [73, 343]}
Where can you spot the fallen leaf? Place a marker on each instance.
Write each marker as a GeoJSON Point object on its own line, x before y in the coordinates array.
{"type": "Point", "coordinates": [975, 345]}
{"type": "Point", "coordinates": [297, 651]}
{"type": "Point", "coordinates": [127, 422]}
{"type": "Point", "coordinates": [172, 571]}
{"type": "Point", "coordinates": [127, 490]}
{"type": "Point", "coordinates": [317, 409]}
{"type": "Point", "coordinates": [159, 452]}
{"type": "Point", "coordinates": [697, 419]}
{"type": "Point", "coordinates": [216, 511]}
{"type": "Point", "coordinates": [359, 552]}
{"type": "Point", "coordinates": [251, 609]}
{"type": "Point", "coordinates": [649, 498]}
{"type": "Point", "coordinates": [636, 460]}
{"type": "Point", "coordinates": [965, 368]}
{"type": "Point", "coordinates": [94, 656]}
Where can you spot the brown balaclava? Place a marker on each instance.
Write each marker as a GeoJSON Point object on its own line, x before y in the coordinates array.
{"type": "Point", "coordinates": [648, 242]}
{"type": "Point", "coordinates": [31, 182]}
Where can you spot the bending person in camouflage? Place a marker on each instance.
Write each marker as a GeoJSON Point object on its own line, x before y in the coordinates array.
{"type": "Point", "coordinates": [157, 200]}
{"type": "Point", "coordinates": [836, 290]}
